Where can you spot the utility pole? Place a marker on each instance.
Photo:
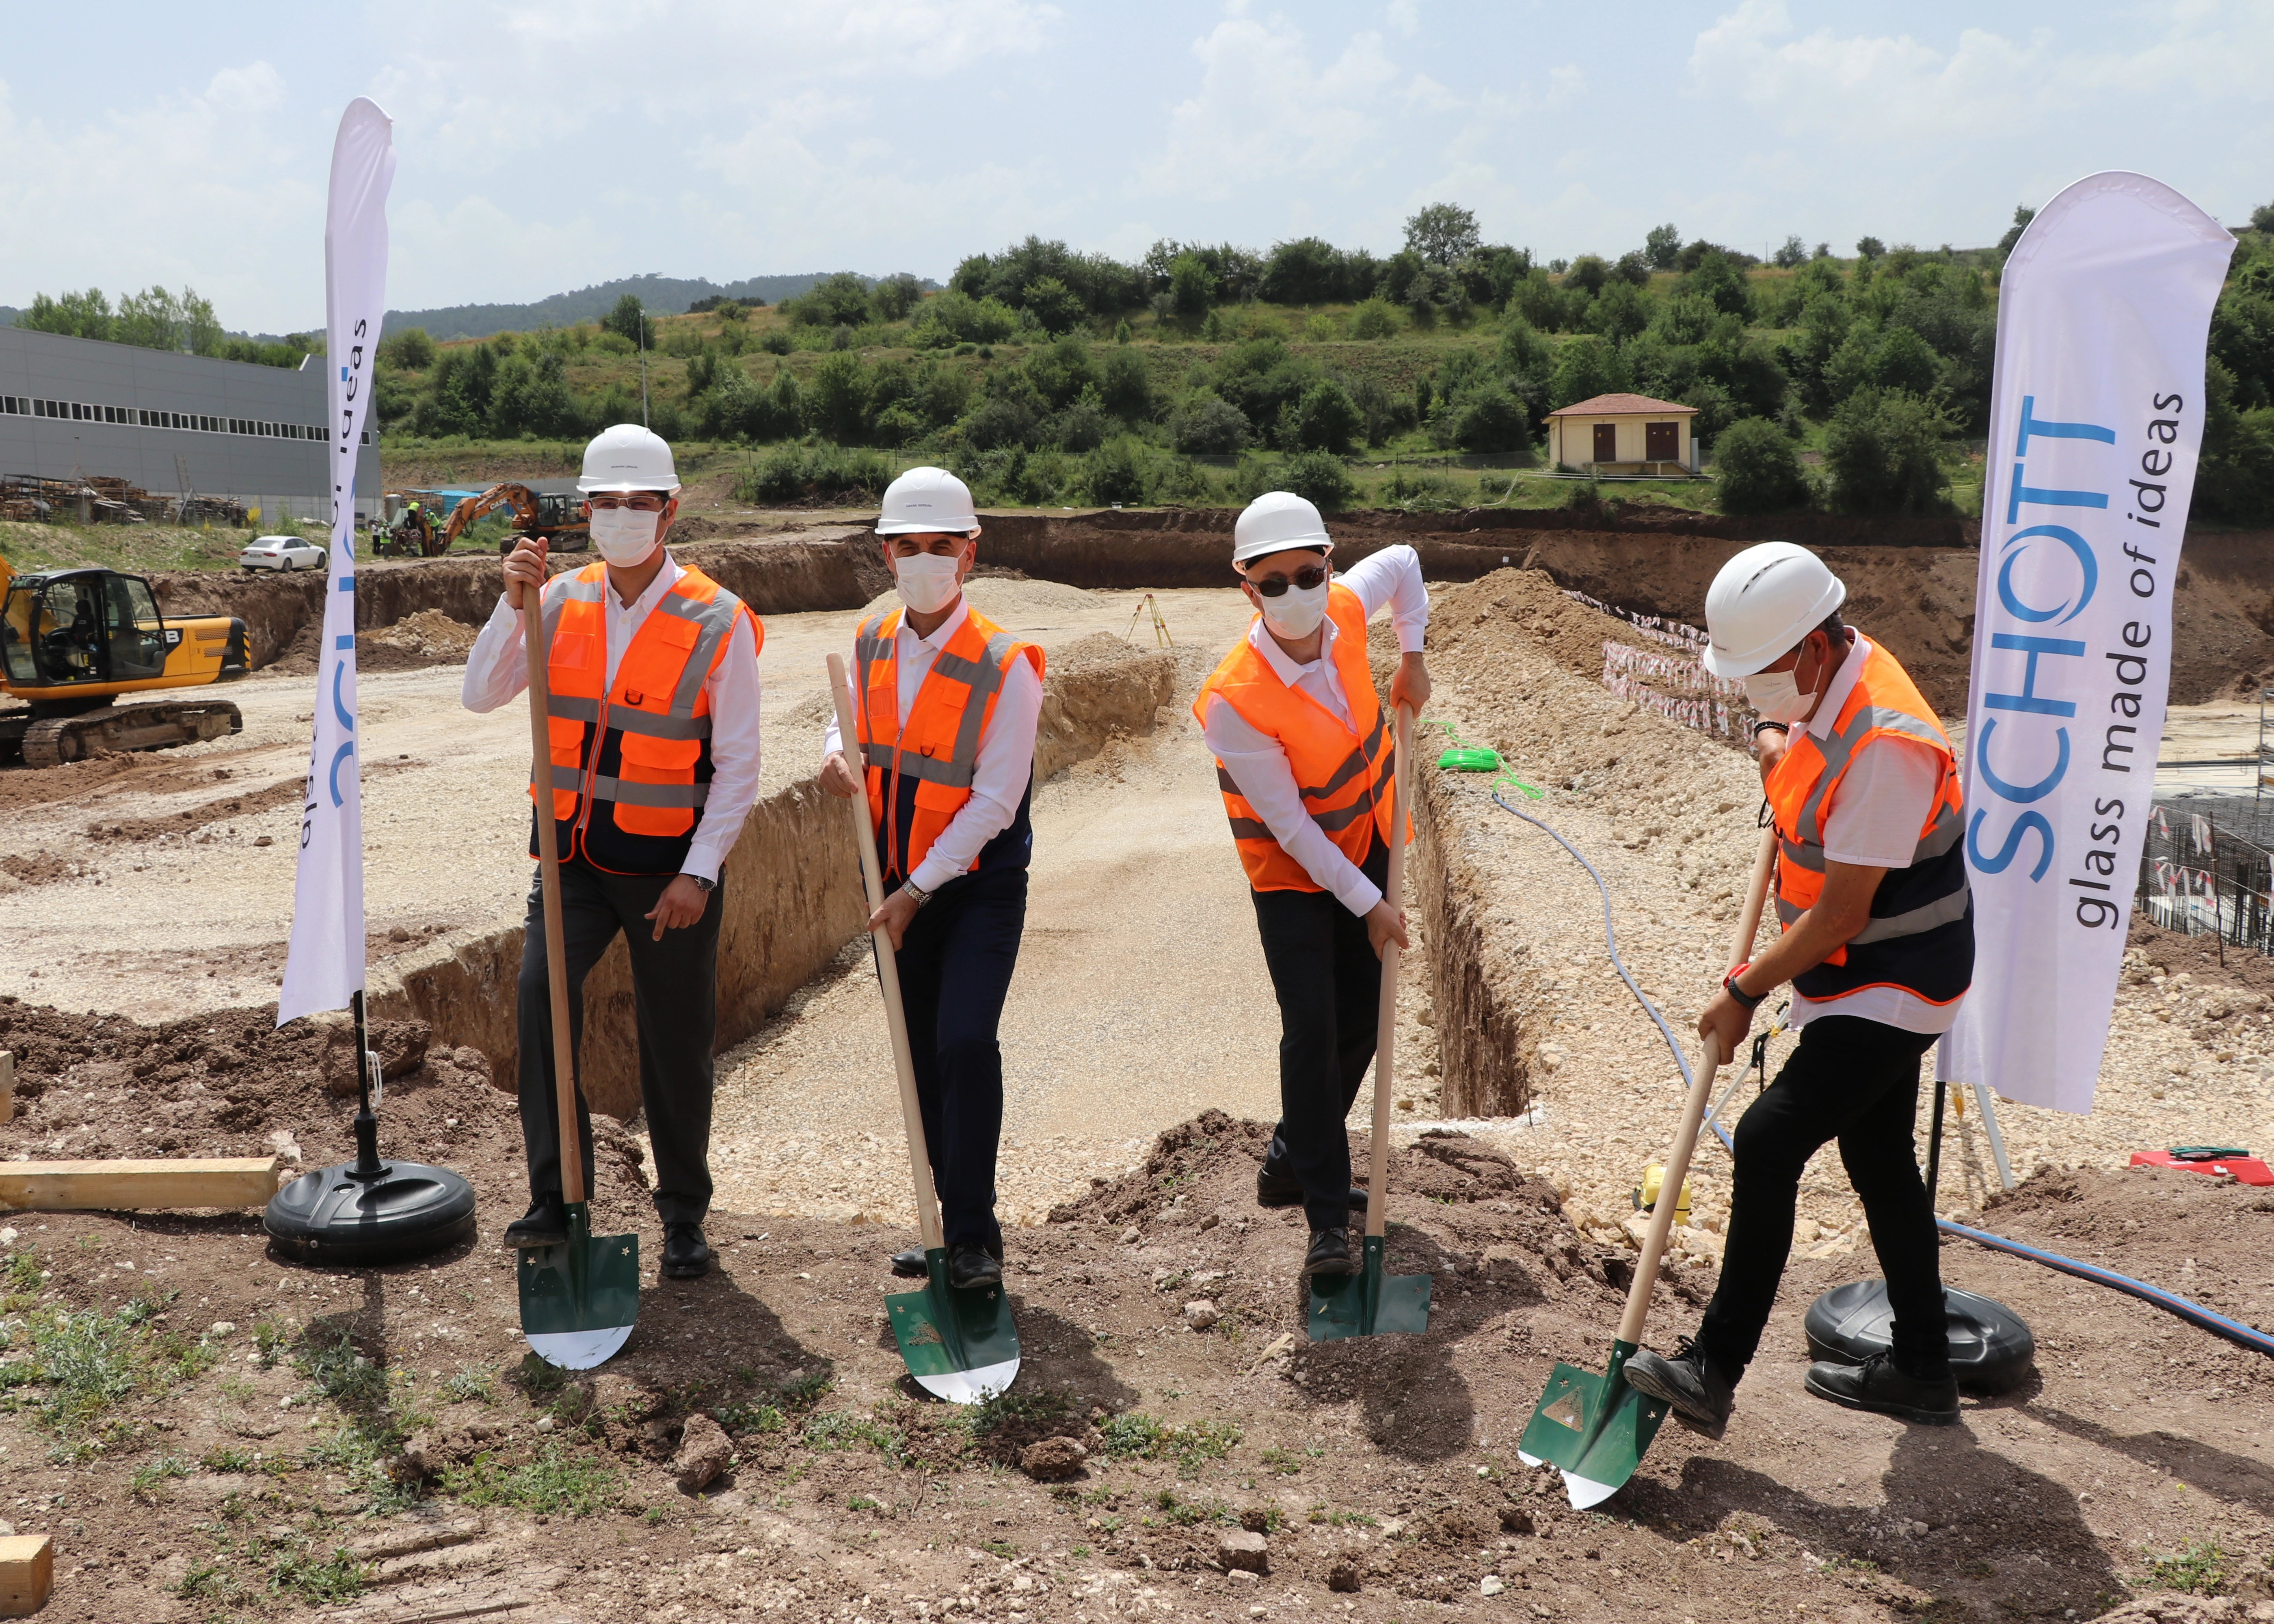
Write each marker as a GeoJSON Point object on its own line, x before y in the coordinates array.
{"type": "Point", "coordinates": [642, 344]}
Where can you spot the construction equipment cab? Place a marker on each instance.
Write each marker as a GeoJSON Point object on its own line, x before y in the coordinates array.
{"type": "Point", "coordinates": [74, 641]}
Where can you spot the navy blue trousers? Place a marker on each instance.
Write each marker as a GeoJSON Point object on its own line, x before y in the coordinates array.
{"type": "Point", "coordinates": [955, 965]}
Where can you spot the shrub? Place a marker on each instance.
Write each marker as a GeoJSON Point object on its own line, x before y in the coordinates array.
{"type": "Point", "coordinates": [1081, 426]}
{"type": "Point", "coordinates": [1057, 306]}
{"type": "Point", "coordinates": [1208, 424]}
{"type": "Point", "coordinates": [1757, 470]}
{"type": "Point", "coordinates": [813, 474]}
{"type": "Point", "coordinates": [892, 298]}
{"type": "Point", "coordinates": [837, 397]}
{"type": "Point", "coordinates": [1115, 472]}
{"type": "Point", "coordinates": [2235, 482]}
{"type": "Point", "coordinates": [1586, 367]}
{"type": "Point", "coordinates": [835, 301]}
{"type": "Point", "coordinates": [1124, 385]}
{"type": "Point", "coordinates": [999, 422]}
{"type": "Point", "coordinates": [628, 320]}
{"type": "Point", "coordinates": [1321, 477]}
{"type": "Point", "coordinates": [1373, 317]}
{"type": "Point", "coordinates": [775, 342]}
{"type": "Point", "coordinates": [1883, 450]}
{"type": "Point", "coordinates": [1487, 417]}
{"type": "Point", "coordinates": [1324, 419]}
{"type": "Point", "coordinates": [953, 317]}
{"type": "Point", "coordinates": [1191, 285]}
{"type": "Point", "coordinates": [410, 350]}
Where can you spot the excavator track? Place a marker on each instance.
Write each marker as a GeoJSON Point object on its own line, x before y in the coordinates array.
{"type": "Point", "coordinates": [51, 741]}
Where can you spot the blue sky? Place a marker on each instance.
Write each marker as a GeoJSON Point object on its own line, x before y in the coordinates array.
{"type": "Point", "coordinates": [549, 145]}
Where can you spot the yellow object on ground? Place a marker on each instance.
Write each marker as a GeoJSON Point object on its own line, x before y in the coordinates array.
{"type": "Point", "coordinates": [1646, 1197]}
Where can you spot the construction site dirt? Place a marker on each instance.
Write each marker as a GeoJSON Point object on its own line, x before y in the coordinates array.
{"type": "Point", "coordinates": [263, 1417]}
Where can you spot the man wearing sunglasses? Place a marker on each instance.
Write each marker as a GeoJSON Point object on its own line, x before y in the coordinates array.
{"type": "Point", "coordinates": [1303, 756]}
{"type": "Point", "coordinates": [652, 681]}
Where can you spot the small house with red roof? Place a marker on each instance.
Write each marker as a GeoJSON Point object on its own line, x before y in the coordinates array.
{"type": "Point", "coordinates": [1630, 434]}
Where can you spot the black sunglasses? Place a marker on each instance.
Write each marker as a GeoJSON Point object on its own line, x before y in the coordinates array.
{"type": "Point", "coordinates": [1275, 586]}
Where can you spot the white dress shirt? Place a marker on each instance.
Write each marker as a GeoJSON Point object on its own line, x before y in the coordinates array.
{"type": "Point", "coordinates": [1873, 820]}
{"type": "Point", "coordinates": [1007, 748]}
{"type": "Point", "coordinates": [1258, 763]}
{"type": "Point", "coordinates": [497, 670]}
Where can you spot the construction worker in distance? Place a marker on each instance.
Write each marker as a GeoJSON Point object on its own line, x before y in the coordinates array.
{"type": "Point", "coordinates": [946, 703]}
{"type": "Point", "coordinates": [652, 676]}
{"type": "Point", "coordinates": [1878, 946]}
{"type": "Point", "coordinates": [1305, 756]}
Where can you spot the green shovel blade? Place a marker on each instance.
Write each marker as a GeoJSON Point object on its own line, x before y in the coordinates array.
{"type": "Point", "coordinates": [579, 1299]}
{"type": "Point", "coordinates": [1595, 1427]}
{"type": "Point", "coordinates": [960, 1346]}
{"type": "Point", "coordinates": [1370, 1302]}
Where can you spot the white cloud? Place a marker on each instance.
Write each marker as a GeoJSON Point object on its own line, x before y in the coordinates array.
{"type": "Point", "coordinates": [1403, 17]}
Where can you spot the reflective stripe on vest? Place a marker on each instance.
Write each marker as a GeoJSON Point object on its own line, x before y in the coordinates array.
{"type": "Point", "coordinates": [1920, 936]}
{"type": "Point", "coordinates": [1346, 776]}
{"type": "Point", "coordinates": [939, 745]}
{"type": "Point", "coordinates": [631, 755]}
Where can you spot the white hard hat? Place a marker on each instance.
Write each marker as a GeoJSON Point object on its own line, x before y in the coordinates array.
{"type": "Point", "coordinates": [629, 457]}
{"type": "Point", "coordinates": [1275, 522]}
{"type": "Point", "coordinates": [927, 501]}
{"type": "Point", "coordinates": [1765, 601]}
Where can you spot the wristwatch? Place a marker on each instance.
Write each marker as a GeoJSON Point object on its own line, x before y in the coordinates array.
{"type": "Point", "coordinates": [699, 880]}
{"type": "Point", "coordinates": [1729, 985]}
{"type": "Point", "coordinates": [921, 895]}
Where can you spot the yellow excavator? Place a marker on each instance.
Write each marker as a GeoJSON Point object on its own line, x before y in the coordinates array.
{"type": "Point", "coordinates": [557, 516]}
{"type": "Point", "coordinates": [73, 641]}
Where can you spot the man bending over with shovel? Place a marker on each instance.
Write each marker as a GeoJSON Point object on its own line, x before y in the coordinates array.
{"type": "Point", "coordinates": [1303, 755]}
{"type": "Point", "coordinates": [946, 702]}
{"type": "Point", "coordinates": [1878, 946]}
{"type": "Point", "coordinates": [652, 704]}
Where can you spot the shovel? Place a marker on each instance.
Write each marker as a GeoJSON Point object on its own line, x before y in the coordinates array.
{"type": "Point", "coordinates": [1596, 1427]}
{"type": "Point", "coordinates": [1371, 1303]}
{"type": "Point", "coordinates": [579, 1299]}
{"type": "Point", "coordinates": [960, 1346]}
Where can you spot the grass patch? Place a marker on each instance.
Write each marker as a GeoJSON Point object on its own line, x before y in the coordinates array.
{"type": "Point", "coordinates": [2199, 1567]}
{"type": "Point", "coordinates": [77, 1369]}
{"type": "Point", "coordinates": [559, 1481]}
{"type": "Point", "coordinates": [839, 1429]}
{"type": "Point", "coordinates": [1185, 1513]}
{"type": "Point", "coordinates": [1328, 1517]}
{"type": "Point", "coordinates": [227, 1461]}
{"type": "Point", "coordinates": [151, 1473]}
{"type": "Point", "coordinates": [1133, 1435]}
{"type": "Point", "coordinates": [1282, 1462]}
{"type": "Point", "coordinates": [469, 1384]}
{"type": "Point", "coordinates": [339, 1372]}
{"type": "Point", "coordinates": [1002, 1548]}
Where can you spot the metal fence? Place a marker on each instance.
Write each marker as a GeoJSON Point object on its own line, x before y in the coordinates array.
{"type": "Point", "coordinates": [2208, 868]}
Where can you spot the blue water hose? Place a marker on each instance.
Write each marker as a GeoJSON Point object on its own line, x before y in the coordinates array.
{"type": "Point", "coordinates": [2171, 1301]}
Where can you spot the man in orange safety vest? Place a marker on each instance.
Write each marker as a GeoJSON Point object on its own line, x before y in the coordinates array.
{"type": "Point", "coordinates": [946, 703]}
{"type": "Point", "coordinates": [652, 678]}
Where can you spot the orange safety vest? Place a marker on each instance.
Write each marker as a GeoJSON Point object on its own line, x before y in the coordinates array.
{"type": "Point", "coordinates": [1920, 934]}
{"type": "Point", "coordinates": [921, 770]}
{"type": "Point", "coordinates": [1348, 778]}
{"type": "Point", "coordinates": [631, 762]}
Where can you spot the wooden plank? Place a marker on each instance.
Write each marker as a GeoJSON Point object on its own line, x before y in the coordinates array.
{"type": "Point", "coordinates": [119, 1186]}
{"type": "Point", "coordinates": [27, 1572]}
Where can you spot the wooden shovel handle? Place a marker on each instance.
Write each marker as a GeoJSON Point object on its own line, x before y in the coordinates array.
{"type": "Point", "coordinates": [888, 972]}
{"type": "Point", "coordinates": [548, 866]}
{"type": "Point", "coordinates": [1757, 892]}
{"type": "Point", "coordinates": [1709, 1063]}
{"type": "Point", "coordinates": [1377, 1177]}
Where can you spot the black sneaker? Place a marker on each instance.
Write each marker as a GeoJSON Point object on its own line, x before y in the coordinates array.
{"type": "Point", "coordinates": [1281, 1190]}
{"type": "Point", "coordinates": [1700, 1395]}
{"type": "Point", "coordinates": [1879, 1385]}
{"type": "Point", "coordinates": [1329, 1254]}
{"type": "Point", "coordinates": [685, 1257]}
{"type": "Point", "coordinates": [546, 1223]}
{"type": "Point", "coordinates": [971, 1267]}
{"type": "Point", "coordinates": [910, 1265]}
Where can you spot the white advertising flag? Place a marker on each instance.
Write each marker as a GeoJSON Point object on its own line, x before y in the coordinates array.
{"type": "Point", "coordinates": [325, 968]}
{"type": "Point", "coordinates": [2096, 423]}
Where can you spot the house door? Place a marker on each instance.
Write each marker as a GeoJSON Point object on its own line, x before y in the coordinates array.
{"type": "Point", "coordinates": [1662, 441]}
{"type": "Point", "coordinates": [1606, 442]}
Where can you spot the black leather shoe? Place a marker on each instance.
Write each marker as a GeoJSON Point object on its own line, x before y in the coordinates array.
{"type": "Point", "coordinates": [1279, 1189]}
{"type": "Point", "coordinates": [970, 1267]}
{"type": "Point", "coordinates": [1877, 1386]}
{"type": "Point", "coordinates": [546, 1223]}
{"type": "Point", "coordinates": [685, 1257]}
{"type": "Point", "coordinates": [910, 1265]}
{"type": "Point", "coordinates": [1700, 1394]}
{"type": "Point", "coordinates": [1329, 1254]}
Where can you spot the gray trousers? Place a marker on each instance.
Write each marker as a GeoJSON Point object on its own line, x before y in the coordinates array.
{"type": "Point", "coordinates": [674, 997]}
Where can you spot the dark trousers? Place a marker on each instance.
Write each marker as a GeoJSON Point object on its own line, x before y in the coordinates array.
{"type": "Point", "coordinates": [1329, 984]}
{"type": "Point", "coordinates": [955, 965]}
{"type": "Point", "coordinates": [1855, 1081]}
{"type": "Point", "coordinates": [675, 1000]}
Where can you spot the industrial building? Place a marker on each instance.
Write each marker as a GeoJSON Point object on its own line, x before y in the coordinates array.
{"type": "Point", "coordinates": [80, 408]}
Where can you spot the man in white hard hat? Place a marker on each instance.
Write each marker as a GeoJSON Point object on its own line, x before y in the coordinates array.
{"type": "Point", "coordinates": [1304, 756]}
{"type": "Point", "coordinates": [653, 680]}
{"type": "Point", "coordinates": [1879, 947]}
{"type": "Point", "coordinates": [946, 703]}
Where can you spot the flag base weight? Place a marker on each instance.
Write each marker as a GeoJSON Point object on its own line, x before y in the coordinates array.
{"type": "Point", "coordinates": [351, 1215]}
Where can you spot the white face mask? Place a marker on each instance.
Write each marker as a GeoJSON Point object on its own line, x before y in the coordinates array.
{"type": "Point", "coordinates": [1297, 612]}
{"type": "Point", "coordinates": [1776, 695]}
{"type": "Point", "coordinates": [624, 536]}
{"type": "Point", "coordinates": [928, 581]}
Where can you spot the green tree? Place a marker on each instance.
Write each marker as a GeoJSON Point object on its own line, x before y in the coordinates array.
{"type": "Point", "coordinates": [629, 320]}
{"type": "Point", "coordinates": [1717, 278]}
{"type": "Point", "coordinates": [838, 300]}
{"type": "Point", "coordinates": [1325, 418]}
{"type": "Point", "coordinates": [2022, 214]}
{"type": "Point", "coordinates": [2235, 480]}
{"type": "Point", "coordinates": [74, 315]}
{"type": "Point", "coordinates": [1486, 416]}
{"type": "Point", "coordinates": [893, 297]}
{"type": "Point", "coordinates": [1206, 424]}
{"type": "Point", "coordinates": [1590, 272]}
{"type": "Point", "coordinates": [1622, 310]}
{"type": "Point", "coordinates": [1057, 306]}
{"type": "Point", "coordinates": [1442, 234]}
{"type": "Point", "coordinates": [1869, 248]}
{"type": "Point", "coordinates": [1124, 385]}
{"type": "Point", "coordinates": [1660, 245]}
{"type": "Point", "coordinates": [837, 397]}
{"type": "Point", "coordinates": [1373, 317]}
{"type": "Point", "coordinates": [1523, 350]}
{"type": "Point", "coordinates": [1192, 286]}
{"type": "Point", "coordinates": [1792, 255]}
{"type": "Point", "coordinates": [1756, 468]}
{"type": "Point", "coordinates": [1113, 475]}
{"type": "Point", "coordinates": [151, 319]}
{"type": "Point", "coordinates": [1586, 367]}
{"type": "Point", "coordinates": [1883, 451]}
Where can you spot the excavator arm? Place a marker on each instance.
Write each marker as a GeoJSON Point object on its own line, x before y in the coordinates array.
{"type": "Point", "coordinates": [518, 497]}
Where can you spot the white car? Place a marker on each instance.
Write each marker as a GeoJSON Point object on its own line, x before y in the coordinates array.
{"type": "Point", "coordinates": [282, 553]}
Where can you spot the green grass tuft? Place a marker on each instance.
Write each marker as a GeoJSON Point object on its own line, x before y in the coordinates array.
{"type": "Point", "coordinates": [2199, 1567]}
{"type": "Point", "coordinates": [559, 1481]}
